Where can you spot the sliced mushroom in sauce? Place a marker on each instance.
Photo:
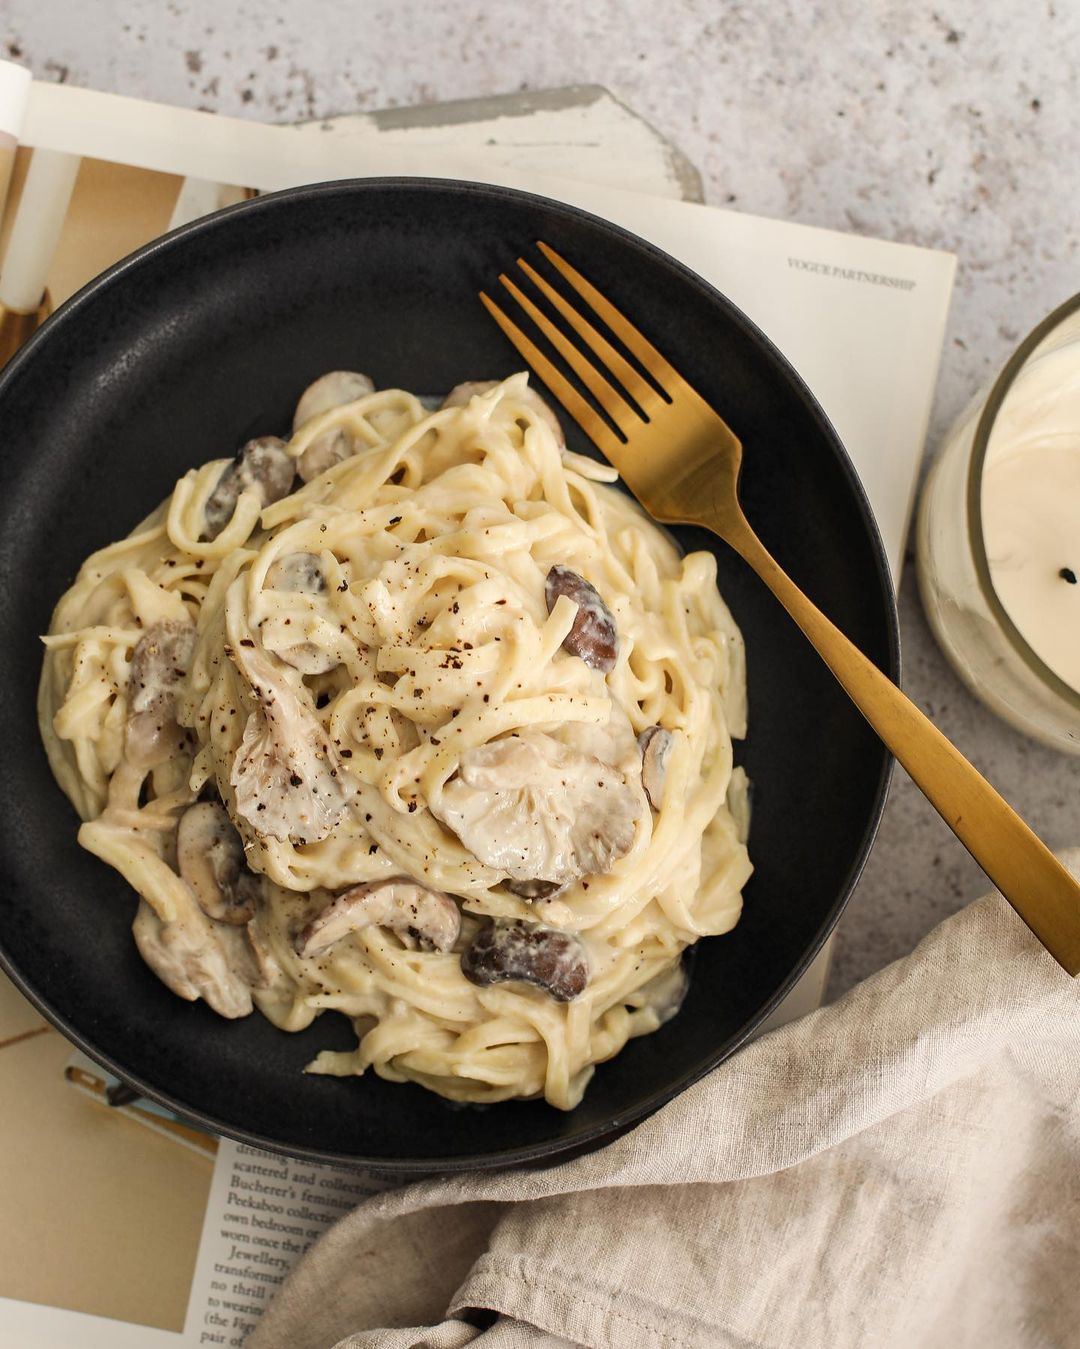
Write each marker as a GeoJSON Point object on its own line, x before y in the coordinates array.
{"type": "Point", "coordinates": [298, 574]}
{"type": "Point", "coordinates": [288, 779]}
{"type": "Point", "coordinates": [534, 889]}
{"type": "Point", "coordinates": [594, 636]}
{"type": "Point", "coordinates": [398, 903]}
{"type": "Point", "coordinates": [655, 744]}
{"type": "Point", "coordinates": [210, 855]}
{"type": "Point", "coordinates": [518, 952]}
{"type": "Point", "coordinates": [665, 993]}
{"type": "Point", "coordinates": [262, 464]}
{"type": "Point", "coordinates": [462, 394]}
{"type": "Point", "coordinates": [537, 811]}
{"type": "Point", "coordinates": [268, 971]}
{"type": "Point", "coordinates": [193, 956]}
{"type": "Point", "coordinates": [331, 390]}
{"type": "Point", "coordinates": [158, 665]}
{"type": "Point", "coordinates": [301, 573]}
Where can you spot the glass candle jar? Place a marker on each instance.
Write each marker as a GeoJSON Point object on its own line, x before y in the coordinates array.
{"type": "Point", "coordinates": [998, 538]}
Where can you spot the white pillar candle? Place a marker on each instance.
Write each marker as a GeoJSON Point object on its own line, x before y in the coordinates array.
{"type": "Point", "coordinates": [998, 584]}
{"type": "Point", "coordinates": [36, 232]}
{"type": "Point", "coordinates": [1031, 509]}
{"type": "Point", "coordinates": [14, 92]}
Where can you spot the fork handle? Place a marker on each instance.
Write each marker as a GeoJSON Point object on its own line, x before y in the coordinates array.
{"type": "Point", "coordinates": [1022, 867]}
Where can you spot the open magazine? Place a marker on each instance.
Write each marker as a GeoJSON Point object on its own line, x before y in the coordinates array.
{"type": "Point", "coordinates": [120, 1226]}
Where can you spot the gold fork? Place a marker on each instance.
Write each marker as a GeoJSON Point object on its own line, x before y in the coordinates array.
{"type": "Point", "coordinates": [681, 460]}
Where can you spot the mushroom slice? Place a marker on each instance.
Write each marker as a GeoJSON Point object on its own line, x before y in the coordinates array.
{"type": "Point", "coordinates": [538, 811]}
{"type": "Point", "coordinates": [301, 573]}
{"type": "Point", "coordinates": [462, 394]}
{"type": "Point", "coordinates": [262, 464]}
{"type": "Point", "coordinates": [534, 889]}
{"type": "Point", "coordinates": [665, 993]}
{"type": "Point", "coordinates": [398, 903]}
{"type": "Point", "coordinates": [526, 953]}
{"type": "Point", "coordinates": [332, 390]}
{"type": "Point", "coordinates": [159, 663]}
{"type": "Point", "coordinates": [289, 782]}
{"type": "Point", "coordinates": [210, 855]}
{"type": "Point", "coordinates": [187, 957]}
{"type": "Point", "coordinates": [267, 970]}
{"type": "Point", "coordinates": [307, 657]}
{"type": "Point", "coordinates": [594, 636]}
{"type": "Point", "coordinates": [655, 745]}
{"type": "Point", "coordinates": [325, 451]}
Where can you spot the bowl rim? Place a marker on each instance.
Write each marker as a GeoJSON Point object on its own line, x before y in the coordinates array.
{"type": "Point", "coordinates": [555, 1151]}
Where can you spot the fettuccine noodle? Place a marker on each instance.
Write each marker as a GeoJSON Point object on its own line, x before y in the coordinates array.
{"type": "Point", "coordinates": [394, 686]}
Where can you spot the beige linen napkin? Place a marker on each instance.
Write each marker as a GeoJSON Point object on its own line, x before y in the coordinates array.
{"type": "Point", "coordinates": [901, 1168]}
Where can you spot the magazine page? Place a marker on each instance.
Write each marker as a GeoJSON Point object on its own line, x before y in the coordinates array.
{"type": "Point", "coordinates": [262, 1214]}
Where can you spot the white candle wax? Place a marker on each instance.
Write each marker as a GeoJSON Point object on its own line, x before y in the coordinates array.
{"type": "Point", "coordinates": [14, 90]}
{"type": "Point", "coordinates": [36, 232]}
{"type": "Point", "coordinates": [1031, 508]}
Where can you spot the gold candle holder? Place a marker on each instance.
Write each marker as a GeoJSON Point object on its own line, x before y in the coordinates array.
{"type": "Point", "coordinates": [17, 328]}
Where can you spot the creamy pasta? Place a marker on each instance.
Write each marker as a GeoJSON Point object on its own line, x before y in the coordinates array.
{"type": "Point", "coordinates": [436, 735]}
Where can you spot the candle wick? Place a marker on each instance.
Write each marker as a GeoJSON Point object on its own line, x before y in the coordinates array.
{"type": "Point", "coordinates": [1067, 574]}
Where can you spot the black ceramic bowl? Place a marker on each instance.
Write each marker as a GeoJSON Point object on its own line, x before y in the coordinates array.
{"type": "Point", "coordinates": [205, 338]}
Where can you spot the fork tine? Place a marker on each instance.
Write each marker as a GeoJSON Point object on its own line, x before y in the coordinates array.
{"type": "Point", "coordinates": [613, 403]}
{"type": "Point", "coordinates": [586, 417]}
{"type": "Point", "coordinates": [639, 389]}
{"type": "Point", "coordinates": [657, 365]}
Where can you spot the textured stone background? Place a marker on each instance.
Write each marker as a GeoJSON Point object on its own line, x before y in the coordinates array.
{"type": "Point", "coordinates": [954, 128]}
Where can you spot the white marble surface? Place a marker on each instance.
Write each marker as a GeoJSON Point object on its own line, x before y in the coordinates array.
{"type": "Point", "coordinates": [954, 128]}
